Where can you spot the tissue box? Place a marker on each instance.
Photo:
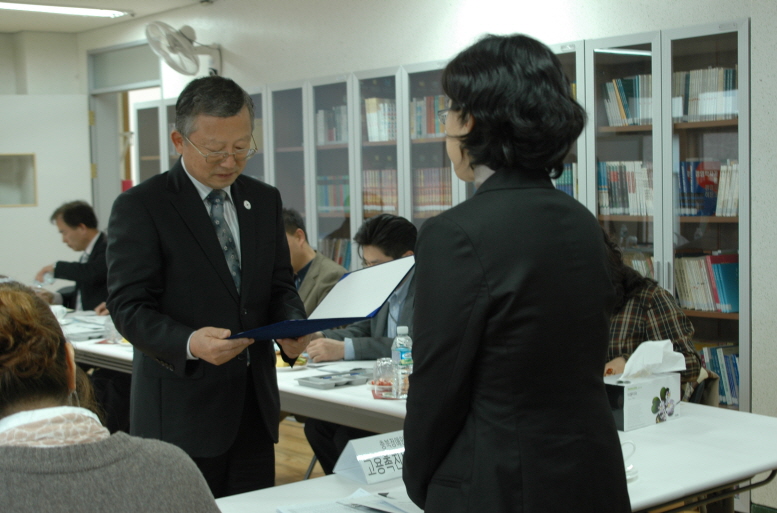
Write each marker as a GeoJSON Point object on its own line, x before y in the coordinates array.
{"type": "Point", "coordinates": [640, 402]}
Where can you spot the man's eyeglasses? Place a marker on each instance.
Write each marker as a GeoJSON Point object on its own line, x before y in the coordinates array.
{"type": "Point", "coordinates": [214, 157]}
{"type": "Point", "coordinates": [442, 115]}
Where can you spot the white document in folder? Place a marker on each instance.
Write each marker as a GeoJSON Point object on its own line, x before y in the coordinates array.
{"type": "Point", "coordinates": [362, 292]}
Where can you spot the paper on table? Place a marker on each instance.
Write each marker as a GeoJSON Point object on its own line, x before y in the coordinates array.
{"type": "Point", "coordinates": [653, 357]}
{"type": "Point", "coordinates": [357, 296]}
{"type": "Point", "coordinates": [360, 500]}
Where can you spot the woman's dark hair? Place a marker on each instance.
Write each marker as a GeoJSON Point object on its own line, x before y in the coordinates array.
{"type": "Point", "coordinates": [32, 354]}
{"type": "Point", "coordinates": [626, 281]}
{"type": "Point", "coordinates": [521, 101]}
{"type": "Point", "coordinates": [393, 235]}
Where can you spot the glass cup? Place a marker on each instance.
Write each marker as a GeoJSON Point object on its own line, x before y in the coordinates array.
{"type": "Point", "coordinates": [383, 378]}
{"type": "Point", "coordinates": [629, 448]}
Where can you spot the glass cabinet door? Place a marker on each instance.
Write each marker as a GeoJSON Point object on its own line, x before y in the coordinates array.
{"type": "Point", "coordinates": [378, 151]}
{"type": "Point", "coordinates": [706, 90]}
{"type": "Point", "coordinates": [623, 100]}
{"type": "Point", "coordinates": [172, 153]}
{"type": "Point", "coordinates": [255, 166]}
{"type": "Point", "coordinates": [147, 128]}
{"type": "Point", "coordinates": [431, 174]}
{"type": "Point", "coordinates": [572, 60]}
{"type": "Point", "coordinates": [332, 176]}
{"type": "Point", "coordinates": [288, 147]}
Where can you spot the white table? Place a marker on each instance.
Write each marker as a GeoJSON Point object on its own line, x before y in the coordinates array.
{"type": "Point", "coordinates": [349, 405]}
{"type": "Point", "coordinates": [704, 449]}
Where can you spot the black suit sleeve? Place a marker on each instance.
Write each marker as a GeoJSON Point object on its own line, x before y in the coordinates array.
{"type": "Point", "coordinates": [92, 272]}
{"type": "Point", "coordinates": [137, 283]}
{"type": "Point", "coordinates": [449, 319]}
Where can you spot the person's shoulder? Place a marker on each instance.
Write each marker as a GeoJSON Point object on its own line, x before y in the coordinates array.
{"type": "Point", "coordinates": [150, 448]}
{"type": "Point", "coordinates": [328, 264]}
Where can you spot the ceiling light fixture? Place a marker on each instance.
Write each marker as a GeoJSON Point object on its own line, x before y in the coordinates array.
{"type": "Point", "coordinates": [57, 9]}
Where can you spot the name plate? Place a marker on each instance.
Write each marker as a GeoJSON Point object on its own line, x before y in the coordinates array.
{"type": "Point", "coordinates": [373, 459]}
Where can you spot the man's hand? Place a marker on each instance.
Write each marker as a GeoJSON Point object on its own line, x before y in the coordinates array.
{"type": "Point", "coordinates": [47, 269]}
{"type": "Point", "coordinates": [293, 347]}
{"type": "Point", "coordinates": [45, 295]}
{"type": "Point", "coordinates": [211, 344]}
{"type": "Point", "coordinates": [326, 350]}
{"type": "Point", "coordinates": [101, 309]}
{"type": "Point", "coordinates": [615, 366]}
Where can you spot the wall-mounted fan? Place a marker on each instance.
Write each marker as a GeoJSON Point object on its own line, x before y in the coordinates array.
{"type": "Point", "coordinates": [177, 48]}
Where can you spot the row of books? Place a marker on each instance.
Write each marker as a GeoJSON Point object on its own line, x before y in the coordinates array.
{"type": "Point", "coordinates": [381, 119]}
{"type": "Point", "coordinates": [332, 125]}
{"type": "Point", "coordinates": [424, 122]}
{"type": "Point", "coordinates": [625, 188]}
{"type": "Point", "coordinates": [333, 194]}
{"type": "Point", "coordinates": [708, 188]}
{"type": "Point", "coordinates": [567, 182]}
{"type": "Point", "coordinates": [338, 250]}
{"type": "Point", "coordinates": [723, 360]}
{"type": "Point", "coordinates": [640, 262]}
{"type": "Point", "coordinates": [705, 94]}
{"type": "Point", "coordinates": [709, 283]}
{"type": "Point", "coordinates": [432, 189]}
{"type": "Point", "coordinates": [629, 100]}
{"type": "Point", "coordinates": [380, 192]}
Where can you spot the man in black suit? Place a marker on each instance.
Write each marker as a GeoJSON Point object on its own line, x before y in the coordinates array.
{"type": "Point", "coordinates": [195, 255]}
{"type": "Point", "coordinates": [77, 223]}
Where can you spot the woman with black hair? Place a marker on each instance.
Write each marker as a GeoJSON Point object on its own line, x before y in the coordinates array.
{"type": "Point", "coordinates": [507, 409]}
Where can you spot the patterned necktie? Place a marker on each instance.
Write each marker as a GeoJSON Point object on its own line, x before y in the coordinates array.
{"type": "Point", "coordinates": [216, 199]}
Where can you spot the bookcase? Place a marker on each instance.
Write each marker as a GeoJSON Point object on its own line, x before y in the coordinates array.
{"type": "Point", "coordinates": [431, 179]}
{"type": "Point", "coordinates": [286, 143]}
{"type": "Point", "coordinates": [667, 175]}
{"type": "Point", "coordinates": [379, 125]}
{"type": "Point", "coordinates": [330, 167]}
{"type": "Point", "coordinates": [572, 58]}
{"type": "Point", "coordinates": [255, 166]}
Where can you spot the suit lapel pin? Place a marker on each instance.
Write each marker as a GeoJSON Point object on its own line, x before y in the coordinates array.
{"type": "Point", "coordinates": [247, 204]}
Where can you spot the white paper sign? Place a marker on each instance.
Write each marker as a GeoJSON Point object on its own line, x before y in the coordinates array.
{"type": "Point", "coordinates": [373, 459]}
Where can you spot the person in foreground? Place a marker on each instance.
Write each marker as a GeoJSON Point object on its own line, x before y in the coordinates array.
{"type": "Point", "coordinates": [645, 311]}
{"type": "Point", "coordinates": [195, 255]}
{"type": "Point", "coordinates": [507, 409]}
{"type": "Point", "coordinates": [55, 455]}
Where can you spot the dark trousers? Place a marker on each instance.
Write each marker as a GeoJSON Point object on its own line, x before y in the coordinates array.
{"type": "Point", "coordinates": [250, 463]}
{"type": "Point", "coordinates": [328, 440]}
{"type": "Point", "coordinates": [112, 391]}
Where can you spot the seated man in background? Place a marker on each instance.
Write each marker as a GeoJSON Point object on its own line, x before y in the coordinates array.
{"type": "Point", "coordinates": [381, 239]}
{"type": "Point", "coordinates": [77, 223]}
{"type": "Point", "coordinates": [645, 311]}
{"type": "Point", "coordinates": [314, 274]}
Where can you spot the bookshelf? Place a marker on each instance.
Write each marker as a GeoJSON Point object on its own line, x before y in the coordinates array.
{"type": "Point", "coordinates": [331, 163]}
{"type": "Point", "coordinates": [706, 137]}
{"type": "Point", "coordinates": [572, 57]}
{"type": "Point", "coordinates": [255, 166]}
{"type": "Point", "coordinates": [431, 178]}
{"type": "Point", "coordinates": [377, 148]}
{"type": "Point", "coordinates": [287, 146]}
{"type": "Point", "coordinates": [666, 173]}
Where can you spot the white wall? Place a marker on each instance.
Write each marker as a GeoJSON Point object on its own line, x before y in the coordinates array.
{"type": "Point", "coordinates": [268, 41]}
{"type": "Point", "coordinates": [55, 129]}
{"type": "Point", "coordinates": [47, 63]}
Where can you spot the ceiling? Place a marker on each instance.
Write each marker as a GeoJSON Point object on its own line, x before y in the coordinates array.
{"type": "Point", "coordinates": [15, 21]}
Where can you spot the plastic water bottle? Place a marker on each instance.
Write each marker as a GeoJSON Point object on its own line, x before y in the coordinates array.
{"type": "Point", "coordinates": [402, 354]}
